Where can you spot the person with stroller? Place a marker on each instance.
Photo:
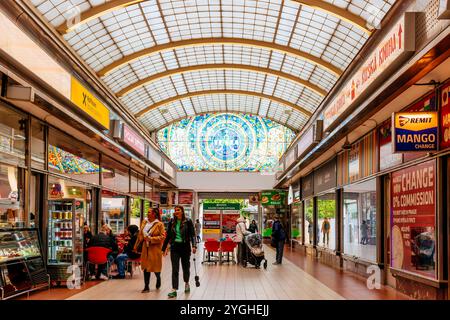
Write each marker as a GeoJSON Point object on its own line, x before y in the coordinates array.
{"type": "Point", "coordinates": [198, 228]}
{"type": "Point", "coordinates": [180, 236]}
{"type": "Point", "coordinates": [278, 237]}
{"type": "Point", "coordinates": [241, 232]}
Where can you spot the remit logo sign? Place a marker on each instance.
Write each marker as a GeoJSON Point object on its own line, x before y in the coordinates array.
{"type": "Point", "coordinates": [403, 121]}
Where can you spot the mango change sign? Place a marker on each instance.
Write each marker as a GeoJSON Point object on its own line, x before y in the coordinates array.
{"type": "Point", "coordinates": [415, 131]}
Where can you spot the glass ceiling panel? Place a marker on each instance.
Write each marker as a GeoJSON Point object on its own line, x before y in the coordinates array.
{"type": "Point", "coordinates": [156, 118]}
{"type": "Point", "coordinates": [124, 31]}
{"type": "Point", "coordinates": [225, 142]}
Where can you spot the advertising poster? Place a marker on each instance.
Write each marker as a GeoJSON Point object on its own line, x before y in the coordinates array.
{"type": "Point", "coordinates": [229, 221]}
{"type": "Point", "coordinates": [211, 224]}
{"type": "Point", "coordinates": [413, 219]}
{"type": "Point", "coordinates": [185, 197]}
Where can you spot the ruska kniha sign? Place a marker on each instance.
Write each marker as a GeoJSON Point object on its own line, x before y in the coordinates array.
{"type": "Point", "coordinates": [413, 219]}
{"type": "Point", "coordinates": [415, 131]}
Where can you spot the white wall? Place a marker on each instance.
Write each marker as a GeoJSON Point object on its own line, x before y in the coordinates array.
{"type": "Point", "coordinates": [224, 181]}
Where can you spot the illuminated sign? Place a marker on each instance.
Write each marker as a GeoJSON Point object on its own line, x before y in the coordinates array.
{"type": "Point", "coordinates": [395, 46]}
{"type": "Point", "coordinates": [415, 131]}
{"type": "Point", "coordinates": [445, 117]}
{"type": "Point", "coordinates": [133, 140]}
{"type": "Point", "coordinates": [86, 101]}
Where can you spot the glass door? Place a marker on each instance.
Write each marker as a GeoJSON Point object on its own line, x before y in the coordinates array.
{"type": "Point", "coordinates": [60, 231]}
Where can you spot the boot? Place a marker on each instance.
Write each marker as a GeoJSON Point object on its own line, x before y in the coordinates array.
{"type": "Point", "coordinates": [158, 280]}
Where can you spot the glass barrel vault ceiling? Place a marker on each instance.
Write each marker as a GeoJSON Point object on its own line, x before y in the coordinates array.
{"type": "Point", "coordinates": [168, 60]}
{"type": "Point", "coordinates": [225, 142]}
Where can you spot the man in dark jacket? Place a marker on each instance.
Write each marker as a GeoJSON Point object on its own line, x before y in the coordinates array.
{"type": "Point", "coordinates": [279, 237]}
{"type": "Point", "coordinates": [128, 252]}
{"type": "Point", "coordinates": [102, 239]}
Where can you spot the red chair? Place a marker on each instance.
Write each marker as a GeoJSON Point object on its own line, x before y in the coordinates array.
{"type": "Point", "coordinates": [211, 247]}
{"type": "Point", "coordinates": [96, 256]}
{"type": "Point", "coordinates": [227, 248]}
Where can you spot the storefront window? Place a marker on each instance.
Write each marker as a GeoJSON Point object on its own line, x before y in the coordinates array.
{"type": "Point", "coordinates": [12, 137]}
{"type": "Point", "coordinates": [326, 211]}
{"type": "Point", "coordinates": [115, 176]}
{"type": "Point", "coordinates": [113, 211]}
{"type": "Point", "coordinates": [360, 237]}
{"type": "Point", "coordinates": [296, 224]}
{"type": "Point", "coordinates": [37, 145]}
{"type": "Point", "coordinates": [11, 198]}
{"type": "Point", "coordinates": [73, 159]}
{"type": "Point", "coordinates": [309, 221]}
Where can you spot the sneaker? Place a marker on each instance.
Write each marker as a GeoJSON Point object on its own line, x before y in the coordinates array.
{"type": "Point", "coordinates": [172, 294]}
{"type": "Point", "coordinates": [187, 288]}
{"type": "Point", "coordinates": [275, 263]}
{"type": "Point", "coordinates": [146, 289]}
{"type": "Point", "coordinates": [103, 277]}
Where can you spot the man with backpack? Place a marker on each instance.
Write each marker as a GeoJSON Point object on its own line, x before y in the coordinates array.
{"type": "Point", "coordinates": [278, 238]}
{"type": "Point", "coordinates": [326, 231]}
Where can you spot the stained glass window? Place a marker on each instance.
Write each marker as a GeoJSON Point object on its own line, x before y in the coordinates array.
{"type": "Point", "coordinates": [225, 142]}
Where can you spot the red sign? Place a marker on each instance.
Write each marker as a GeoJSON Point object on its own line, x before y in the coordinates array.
{"type": "Point", "coordinates": [229, 222]}
{"type": "Point", "coordinates": [445, 117]}
{"type": "Point", "coordinates": [211, 220]}
{"type": "Point", "coordinates": [185, 197]}
{"type": "Point", "coordinates": [133, 140]}
{"type": "Point", "coordinates": [413, 219]}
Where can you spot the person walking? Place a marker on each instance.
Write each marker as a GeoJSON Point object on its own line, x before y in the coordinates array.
{"type": "Point", "coordinates": [279, 237]}
{"type": "Point", "coordinates": [326, 227]}
{"type": "Point", "coordinates": [150, 238]}
{"type": "Point", "coordinates": [253, 227]}
{"type": "Point", "coordinates": [198, 228]}
{"type": "Point", "coordinates": [241, 232]}
{"type": "Point", "coordinates": [180, 236]}
{"type": "Point", "coordinates": [128, 252]}
{"type": "Point", "coordinates": [364, 232]}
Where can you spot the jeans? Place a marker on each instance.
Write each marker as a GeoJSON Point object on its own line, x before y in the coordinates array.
{"type": "Point", "coordinates": [280, 248]}
{"type": "Point", "coordinates": [180, 252]}
{"type": "Point", "coordinates": [121, 261]}
{"type": "Point", "coordinates": [327, 236]}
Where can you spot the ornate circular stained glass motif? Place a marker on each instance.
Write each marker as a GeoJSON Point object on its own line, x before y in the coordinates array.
{"type": "Point", "coordinates": [225, 142]}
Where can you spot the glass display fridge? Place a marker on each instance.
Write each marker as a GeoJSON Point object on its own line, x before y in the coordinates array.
{"type": "Point", "coordinates": [22, 268]}
{"type": "Point", "coordinates": [65, 237]}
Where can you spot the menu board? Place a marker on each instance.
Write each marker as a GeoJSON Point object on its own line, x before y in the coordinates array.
{"type": "Point", "coordinates": [273, 198]}
{"type": "Point", "coordinates": [413, 219]}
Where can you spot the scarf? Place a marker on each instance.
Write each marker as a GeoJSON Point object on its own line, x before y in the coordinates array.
{"type": "Point", "coordinates": [148, 227]}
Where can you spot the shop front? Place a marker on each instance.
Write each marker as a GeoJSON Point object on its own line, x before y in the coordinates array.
{"type": "Point", "coordinates": [274, 204]}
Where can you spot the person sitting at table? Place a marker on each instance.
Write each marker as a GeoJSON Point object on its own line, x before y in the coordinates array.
{"type": "Point", "coordinates": [128, 252]}
{"type": "Point", "coordinates": [102, 239]}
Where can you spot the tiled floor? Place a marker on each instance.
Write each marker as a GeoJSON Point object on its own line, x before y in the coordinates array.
{"type": "Point", "coordinates": [298, 278]}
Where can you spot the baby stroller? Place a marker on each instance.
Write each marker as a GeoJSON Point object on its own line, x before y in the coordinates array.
{"type": "Point", "coordinates": [254, 253]}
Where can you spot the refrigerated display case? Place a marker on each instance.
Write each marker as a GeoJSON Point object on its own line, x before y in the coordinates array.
{"type": "Point", "coordinates": [22, 268]}
{"type": "Point", "coordinates": [65, 237]}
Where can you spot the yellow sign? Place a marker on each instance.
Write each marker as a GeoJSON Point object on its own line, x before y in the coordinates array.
{"type": "Point", "coordinates": [86, 101]}
{"type": "Point", "coordinates": [211, 231]}
{"type": "Point", "coordinates": [415, 131]}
